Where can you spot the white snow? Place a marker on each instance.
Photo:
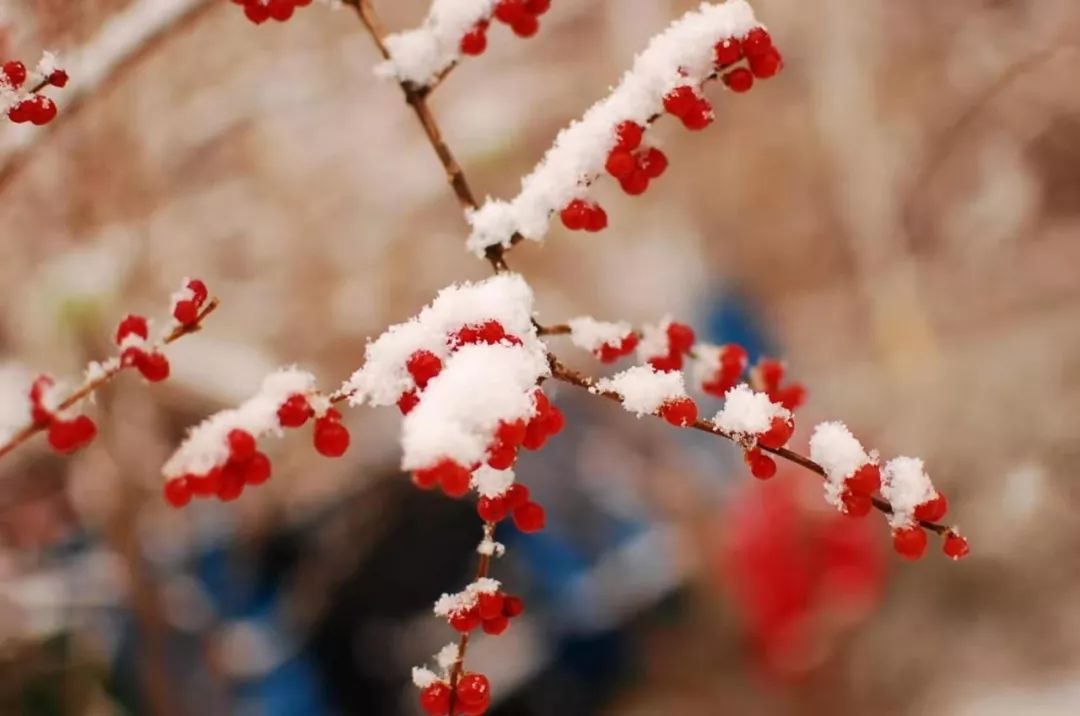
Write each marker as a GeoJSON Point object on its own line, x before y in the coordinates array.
{"type": "Point", "coordinates": [420, 54]}
{"type": "Point", "coordinates": [449, 604]}
{"type": "Point", "coordinates": [905, 484]}
{"type": "Point", "coordinates": [448, 655]}
{"type": "Point", "coordinates": [423, 677]}
{"type": "Point", "coordinates": [747, 413]}
{"type": "Point", "coordinates": [490, 482]}
{"type": "Point", "coordinates": [654, 341]}
{"type": "Point", "coordinates": [590, 334]}
{"type": "Point", "coordinates": [491, 548]}
{"type": "Point", "coordinates": [643, 389]}
{"type": "Point", "coordinates": [206, 445]}
{"type": "Point", "coordinates": [706, 364]}
{"type": "Point", "coordinates": [840, 454]}
{"type": "Point", "coordinates": [681, 55]}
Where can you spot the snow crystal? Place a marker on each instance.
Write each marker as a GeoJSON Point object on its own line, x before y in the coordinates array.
{"type": "Point", "coordinates": [422, 678]}
{"type": "Point", "coordinates": [47, 64]}
{"type": "Point", "coordinates": [590, 334]}
{"type": "Point", "coordinates": [681, 55]}
{"type": "Point", "coordinates": [490, 482]}
{"type": "Point", "coordinates": [491, 548]}
{"type": "Point", "coordinates": [840, 454]}
{"type": "Point", "coordinates": [905, 484]}
{"type": "Point", "coordinates": [747, 412]}
{"type": "Point", "coordinates": [464, 600]}
{"type": "Point", "coordinates": [448, 655]}
{"type": "Point", "coordinates": [206, 445]}
{"type": "Point", "coordinates": [419, 55]}
{"type": "Point", "coordinates": [643, 389]}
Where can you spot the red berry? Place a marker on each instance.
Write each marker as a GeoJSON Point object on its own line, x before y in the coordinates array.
{"type": "Point", "coordinates": [408, 401]}
{"type": "Point", "coordinates": [595, 219]}
{"type": "Point", "coordinates": [491, 332]}
{"type": "Point", "coordinates": [230, 483]}
{"type": "Point", "coordinates": [153, 366]}
{"type": "Point", "coordinates": [491, 509]}
{"type": "Point", "coordinates": [280, 10]}
{"type": "Point", "coordinates": [58, 78]}
{"type": "Point", "coordinates": [554, 422]}
{"type": "Point", "coordinates": [177, 491]}
{"type": "Point", "coordinates": [331, 437]}
{"type": "Point", "coordinates": [490, 605]}
{"type": "Point", "coordinates": [620, 163]}
{"type": "Point", "coordinates": [739, 80]}
{"type": "Point", "coordinates": [423, 366]}
{"type": "Point", "coordinates": [495, 625]}
{"type": "Point", "coordinates": [19, 112]}
{"type": "Point", "coordinates": [241, 445]}
{"type": "Point", "coordinates": [665, 364]}
{"type": "Point", "coordinates": [15, 73]}
{"type": "Point", "coordinates": [198, 291]}
{"type": "Point", "coordinates": [761, 465]}
{"type": "Point", "coordinates": [779, 432]}
{"type": "Point", "coordinates": [465, 620]}
{"type": "Point", "coordinates": [473, 689]}
{"type": "Point", "coordinates": [529, 517]}
{"type": "Point", "coordinates": [455, 483]}
{"type": "Point", "coordinates": [791, 396]}
{"type": "Point", "coordinates": [734, 355]}
{"type": "Point", "coordinates": [756, 42]}
{"type": "Point", "coordinates": [516, 495]}
{"type": "Point", "coordinates": [932, 510]}
{"type": "Point", "coordinates": [426, 479]}
{"type": "Point", "coordinates": [865, 481]}
{"type": "Point", "coordinates": [680, 337]}
{"type": "Point", "coordinates": [910, 542]}
{"type": "Point", "coordinates": [132, 325]}
{"type": "Point", "coordinates": [257, 12]}
{"type": "Point", "coordinates": [510, 11]}
{"type": "Point", "coordinates": [679, 412]}
{"type": "Point", "coordinates": [728, 52]}
{"type": "Point", "coordinates": [629, 343]}
{"type": "Point", "coordinates": [294, 412]}
{"type": "Point", "coordinates": [257, 469]}
{"type": "Point", "coordinates": [510, 433]}
{"type": "Point", "coordinates": [527, 26]}
{"type": "Point", "coordinates": [770, 372]}
{"type": "Point", "coordinates": [574, 215]}
{"type": "Point", "coordinates": [537, 7]}
{"type": "Point", "coordinates": [435, 699]}
{"type": "Point", "coordinates": [680, 100]}
{"type": "Point", "coordinates": [653, 162]}
{"type": "Point", "coordinates": [956, 546]}
{"type": "Point", "coordinates": [766, 65]}
{"type": "Point", "coordinates": [205, 485]}
{"type": "Point", "coordinates": [513, 606]}
{"type": "Point", "coordinates": [185, 312]}
{"type": "Point", "coordinates": [501, 456]}
{"type": "Point", "coordinates": [474, 42]}
{"type": "Point", "coordinates": [856, 504]}
{"type": "Point", "coordinates": [628, 135]}
{"type": "Point", "coordinates": [698, 117]}
{"type": "Point", "coordinates": [635, 183]}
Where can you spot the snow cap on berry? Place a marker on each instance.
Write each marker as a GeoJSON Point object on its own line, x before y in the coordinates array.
{"type": "Point", "coordinates": [420, 54]}
{"type": "Point", "coordinates": [591, 335]}
{"type": "Point", "coordinates": [449, 604]}
{"type": "Point", "coordinates": [905, 484]}
{"type": "Point", "coordinates": [748, 413]}
{"type": "Point", "coordinates": [643, 389]}
{"type": "Point", "coordinates": [840, 454]}
{"type": "Point", "coordinates": [490, 482]}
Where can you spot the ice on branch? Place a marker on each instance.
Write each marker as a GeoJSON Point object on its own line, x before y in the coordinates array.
{"type": "Point", "coordinates": [905, 484]}
{"type": "Point", "coordinates": [207, 444]}
{"type": "Point", "coordinates": [747, 413]}
{"type": "Point", "coordinates": [681, 55]}
{"type": "Point", "coordinates": [643, 389]}
{"type": "Point", "coordinates": [421, 54]}
{"type": "Point", "coordinates": [592, 335]}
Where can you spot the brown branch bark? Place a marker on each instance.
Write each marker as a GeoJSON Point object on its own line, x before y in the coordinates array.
{"type": "Point", "coordinates": [30, 429]}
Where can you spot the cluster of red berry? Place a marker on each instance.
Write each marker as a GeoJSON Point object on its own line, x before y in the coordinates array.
{"type": "Point", "coordinates": [611, 352]}
{"type": "Point", "coordinates": [471, 697]}
{"type": "Point", "coordinates": [189, 302]}
{"type": "Point", "coordinates": [329, 436]}
{"type": "Point", "coordinates": [65, 435]}
{"type": "Point", "coordinates": [761, 465]}
{"type": "Point", "coordinates": [680, 412]}
{"type": "Point", "coordinates": [259, 11]}
{"type": "Point", "coordinates": [523, 17]}
{"type": "Point", "coordinates": [492, 612]}
{"type": "Point", "coordinates": [528, 516]}
{"type": "Point", "coordinates": [680, 340]}
{"type": "Point", "coordinates": [131, 336]}
{"type": "Point", "coordinates": [245, 466]}
{"type": "Point", "coordinates": [910, 541]}
{"type": "Point", "coordinates": [768, 375]}
{"type": "Point", "coordinates": [36, 108]}
{"type": "Point", "coordinates": [731, 362]}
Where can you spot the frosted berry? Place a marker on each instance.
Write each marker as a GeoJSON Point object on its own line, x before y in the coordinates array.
{"type": "Point", "coordinates": [199, 292]}
{"type": "Point", "coordinates": [491, 509]}
{"type": "Point", "coordinates": [739, 80]}
{"type": "Point", "coordinates": [699, 116]}
{"type": "Point", "coordinates": [728, 52]}
{"type": "Point", "coordinates": [67, 436]}
{"type": "Point", "coordinates": [294, 412]}
{"type": "Point", "coordinates": [490, 605]}
{"type": "Point", "coordinates": [757, 42]}
{"type": "Point", "coordinates": [473, 690]}
{"type": "Point", "coordinates": [955, 547]}
{"type": "Point", "coordinates": [132, 325]}
{"type": "Point", "coordinates": [932, 510]}
{"type": "Point", "coordinates": [679, 412]}
{"type": "Point", "coordinates": [423, 366]}
{"type": "Point", "coordinates": [680, 101]}
{"type": "Point", "coordinates": [910, 542]}
{"type": "Point", "coordinates": [474, 42]}
{"type": "Point", "coordinates": [573, 216]}
{"type": "Point", "coordinates": [177, 491]}
{"type": "Point", "coordinates": [241, 445]}
{"type": "Point", "coordinates": [408, 401]}
{"type": "Point", "coordinates": [620, 163]}
{"type": "Point", "coordinates": [490, 332]}
{"type": "Point", "coordinates": [153, 366]}
{"type": "Point", "coordinates": [866, 480]}
{"type": "Point", "coordinates": [761, 465]}
{"type": "Point", "coordinates": [680, 337]}
{"type": "Point", "coordinates": [14, 72]}
{"type": "Point", "coordinates": [435, 699]}
{"type": "Point", "coordinates": [653, 162]}
{"type": "Point", "coordinates": [628, 135]}
{"type": "Point", "coordinates": [186, 312]}
{"type": "Point", "coordinates": [529, 517]}
{"type": "Point", "coordinates": [465, 620]}
{"type": "Point", "coordinates": [42, 110]}
{"type": "Point", "coordinates": [257, 469]}
{"type": "Point", "coordinates": [512, 433]}
{"type": "Point", "coordinates": [779, 432]}
{"type": "Point", "coordinates": [58, 78]}
{"type": "Point", "coordinates": [856, 504]}
{"type": "Point", "coordinates": [732, 354]}
{"type": "Point", "coordinates": [331, 437]}
{"type": "Point", "coordinates": [453, 478]}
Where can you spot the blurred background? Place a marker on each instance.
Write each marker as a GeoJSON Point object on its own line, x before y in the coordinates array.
{"type": "Point", "coordinates": [896, 214]}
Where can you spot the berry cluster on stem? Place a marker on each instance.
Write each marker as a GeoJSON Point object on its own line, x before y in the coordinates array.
{"type": "Point", "coordinates": [259, 11]}
{"type": "Point", "coordinates": [20, 90]}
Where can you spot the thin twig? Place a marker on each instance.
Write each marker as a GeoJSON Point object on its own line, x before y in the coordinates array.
{"type": "Point", "coordinates": [482, 568]}
{"type": "Point", "coordinates": [567, 375]}
{"type": "Point", "coordinates": [29, 430]}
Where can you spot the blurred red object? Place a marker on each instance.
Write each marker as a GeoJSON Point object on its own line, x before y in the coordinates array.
{"type": "Point", "coordinates": [801, 579]}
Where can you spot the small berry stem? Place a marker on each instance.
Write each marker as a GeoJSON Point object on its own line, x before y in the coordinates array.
{"type": "Point", "coordinates": [29, 430]}
{"type": "Point", "coordinates": [482, 569]}
{"type": "Point", "coordinates": [573, 377]}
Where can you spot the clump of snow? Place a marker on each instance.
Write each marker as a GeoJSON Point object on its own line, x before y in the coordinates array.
{"type": "Point", "coordinates": [421, 54]}
{"type": "Point", "coordinates": [206, 445]}
{"type": "Point", "coordinates": [490, 547]}
{"type": "Point", "coordinates": [706, 363]}
{"type": "Point", "coordinates": [681, 55]}
{"type": "Point", "coordinates": [47, 64]}
{"type": "Point", "coordinates": [644, 389]}
{"type": "Point", "coordinates": [450, 604]}
{"type": "Point", "coordinates": [448, 655]}
{"type": "Point", "coordinates": [840, 454]}
{"type": "Point", "coordinates": [479, 386]}
{"type": "Point", "coordinates": [747, 413]}
{"type": "Point", "coordinates": [654, 341]}
{"type": "Point", "coordinates": [10, 96]}
{"type": "Point", "coordinates": [490, 482]}
{"type": "Point", "coordinates": [590, 334]}
{"type": "Point", "coordinates": [905, 484]}
{"type": "Point", "coordinates": [423, 677]}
